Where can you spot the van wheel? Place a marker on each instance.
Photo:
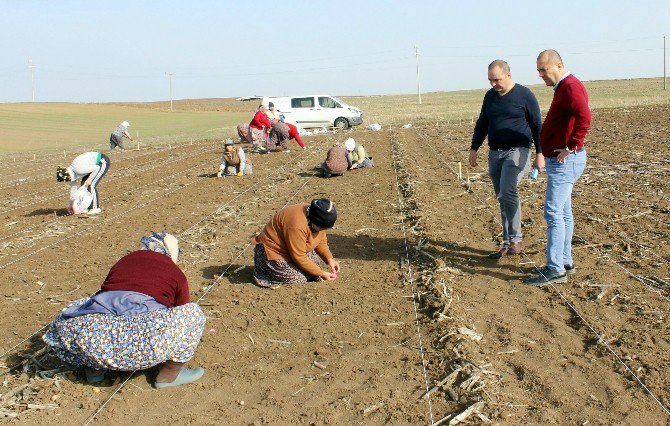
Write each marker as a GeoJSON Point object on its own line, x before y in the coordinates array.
{"type": "Point", "coordinates": [342, 123]}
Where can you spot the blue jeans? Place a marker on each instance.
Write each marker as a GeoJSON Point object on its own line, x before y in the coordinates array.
{"type": "Point", "coordinates": [558, 208]}
{"type": "Point", "coordinates": [506, 169]}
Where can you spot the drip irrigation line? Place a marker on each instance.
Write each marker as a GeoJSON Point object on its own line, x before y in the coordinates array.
{"type": "Point", "coordinates": [22, 342]}
{"type": "Point", "coordinates": [47, 175]}
{"type": "Point", "coordinates": [58, 218]}
{"type": "Point", "coordinates": [113, 179]}
{"type": "Point", "coordinates": [121, 161]}
{"type": "Point", "coordinates": [632, 275]}
{"type": "Point", "coordinates": [99, 223]}
{"type": "Point", "coordinates": [601, 337]}
{"type": "Point", "coordinates": [102, 407]}
{"type": "Point", "coordinates": [415, 297]}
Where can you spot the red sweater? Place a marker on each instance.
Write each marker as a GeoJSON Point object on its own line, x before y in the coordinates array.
{"type": "Point", "coordinates": [568, 119]}
{"type": "Point", "coordinates": [259, 121]}
{"type": "Point", "coordinates": [150, 273]}
{"type": "Point", "coordinates": [293, 134]}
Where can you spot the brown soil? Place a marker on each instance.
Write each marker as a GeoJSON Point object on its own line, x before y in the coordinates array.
{"type": "Point", "coordinates": [415, 293]}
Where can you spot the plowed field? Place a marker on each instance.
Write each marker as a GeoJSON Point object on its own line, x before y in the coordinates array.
{"type": "Point", "coordinates": [420, 325]}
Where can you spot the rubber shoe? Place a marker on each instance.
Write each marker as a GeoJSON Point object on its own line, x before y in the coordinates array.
{"type": "Point", "coordinates": [546, 276]}
{"type": "Point", "coordinates": [570, 269]}
{"type": "Point", "coordinates": [185, 376]}
{"type": "Point", "coordinates": [94, 376]}
{"type": "Point", "coordinates": [93, 212]}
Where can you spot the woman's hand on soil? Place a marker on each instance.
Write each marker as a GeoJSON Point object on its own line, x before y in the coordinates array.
{"type": "Point", "coordinates": [329, 276]}
{"type": "Point", "coordinates": [334, 266]}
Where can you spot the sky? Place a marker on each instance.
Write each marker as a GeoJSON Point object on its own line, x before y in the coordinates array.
{"type": "Point", "coordinates": [109, 51]}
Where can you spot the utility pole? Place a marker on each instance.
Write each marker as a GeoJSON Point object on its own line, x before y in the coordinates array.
{"type": "Point", "coordinates": [32, 67]}
{"type": "Point", "coordinates": [664, 81]}
{"type": "Point", "coordinates": [169, 74]}
{"type": "Point", "coordinates": [418, 82]}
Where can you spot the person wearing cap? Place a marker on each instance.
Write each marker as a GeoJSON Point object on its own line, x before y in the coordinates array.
{"type": "Point", "coordinates": [116, 138]}
{"type": "Point", "coordinates": [140, 318]}
{"type": "Point", "coordinates": [291, 245]}
{"type": "Point", "coordinates": [89, 168]}
{"type": "Point", "coordinates": [259, 128]}
{"type": "Point", "coordinates": [359, 160]}
{"type": "Point", "coordinates": [233, 161]}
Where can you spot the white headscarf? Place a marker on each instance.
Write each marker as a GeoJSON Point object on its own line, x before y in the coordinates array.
{"type": "Point", "coordinates": [350, 144]}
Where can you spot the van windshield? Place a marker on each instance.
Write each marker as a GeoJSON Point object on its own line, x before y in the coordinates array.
{"type": "Point", "coordinates": [340, 101]}
{"type": "Point", "coordinates": [328, 102]}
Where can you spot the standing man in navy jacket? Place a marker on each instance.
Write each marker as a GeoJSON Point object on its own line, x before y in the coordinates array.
{"type": "Point", "coordinates": [510, 116]}
{"type": "Point", "coordinates": [562, 140]}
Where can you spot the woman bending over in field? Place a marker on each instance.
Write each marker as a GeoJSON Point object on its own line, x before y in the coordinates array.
{"type": "Point", "coordinates": [89, 168]}
{"type": "Point", "coordinates": [140, 318]}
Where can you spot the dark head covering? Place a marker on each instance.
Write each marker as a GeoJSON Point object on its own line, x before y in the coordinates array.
{"type": "Point", "coordinates": [270, 105]}
{"type": "Point", "coordinates": [62, 175]}
{"type": "Point", "coordinates": [321, 212]}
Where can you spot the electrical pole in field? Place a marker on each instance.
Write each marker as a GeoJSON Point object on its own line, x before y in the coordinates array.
{"type": "Point", "coordinates": [32, 67]}
{"type": "Point", "coordinates": [418, 82]}
{"type": "Point", "coordinates": [169, 74]}
{"type": "Point", "coordinates": [664, 81]}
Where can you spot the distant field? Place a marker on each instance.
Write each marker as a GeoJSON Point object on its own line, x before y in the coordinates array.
{"type": "Point", "coordinates": [48, 127]}
{"type": "Point", "coordinates": [45, 127]}
{"type": "Point", "coordinates": [466, 104]}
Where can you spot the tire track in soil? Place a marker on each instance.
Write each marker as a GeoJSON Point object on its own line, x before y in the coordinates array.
{"type": "Point", "coordinates": [572, 353]}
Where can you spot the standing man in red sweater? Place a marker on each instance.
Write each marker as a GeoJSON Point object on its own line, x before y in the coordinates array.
{"type": "Point", "coordinates": [562, 141]}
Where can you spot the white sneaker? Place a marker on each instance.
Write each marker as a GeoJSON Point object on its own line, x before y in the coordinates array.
{"type": "Point", "coordinates": [93, 212]}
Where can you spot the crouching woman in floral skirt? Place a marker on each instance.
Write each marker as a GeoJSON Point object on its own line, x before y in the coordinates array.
{"type": "Point", "coordinates": [140, 318]}
{"type": "Point", "coordinates": [289, 247]}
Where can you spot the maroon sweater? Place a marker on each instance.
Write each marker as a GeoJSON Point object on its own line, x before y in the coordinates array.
{"type": "Point", "coordinates": [150, 273]}
{"type": "Point", "coordinates": [568, 119]}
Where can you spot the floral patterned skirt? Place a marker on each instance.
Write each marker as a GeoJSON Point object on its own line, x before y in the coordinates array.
{"type": "Point", "coordinates": [259, 137]}
{"type": "Point", "coordinates": [270, 273]}
{"type": "Point", "coordinates": [127, 342]}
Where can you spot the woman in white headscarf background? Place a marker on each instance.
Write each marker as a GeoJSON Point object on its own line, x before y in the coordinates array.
{"type": "Point", "coordinates": [359, 158]}
{"type": "Point", "coordinates": [140, 318]}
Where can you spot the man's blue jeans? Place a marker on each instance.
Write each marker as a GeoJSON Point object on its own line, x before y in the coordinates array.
{"type": "Point", "coordinates": [506, 168]}
{"type": "Point", "coordinates": [558, 208]}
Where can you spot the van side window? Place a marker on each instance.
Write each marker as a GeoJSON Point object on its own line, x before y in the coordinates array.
{"type": "Point", "coordinates": [302, 102]}
{"type": "Point", "coordinates": [327, 102]}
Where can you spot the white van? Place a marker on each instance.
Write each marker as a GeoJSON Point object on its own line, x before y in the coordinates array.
{"type": "Point", "coordinates": [316, 111]}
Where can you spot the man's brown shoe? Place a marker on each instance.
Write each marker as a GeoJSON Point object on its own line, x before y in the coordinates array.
{"type": "Point", "coordinates": [515, 248]}
{"type": "Point", "coordinates": [500, 253]}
